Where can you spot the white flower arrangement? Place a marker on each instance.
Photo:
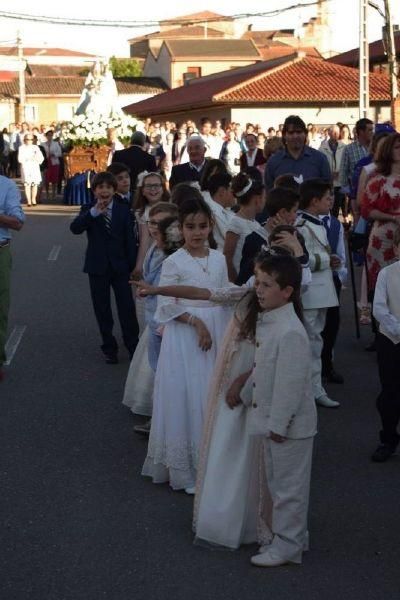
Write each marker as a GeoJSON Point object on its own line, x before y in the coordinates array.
{"type": "Point", "coordinates": [85, 130]}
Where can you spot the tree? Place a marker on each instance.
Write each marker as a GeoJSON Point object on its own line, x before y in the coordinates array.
{"type": "Point", "coordinates": [125, 67]}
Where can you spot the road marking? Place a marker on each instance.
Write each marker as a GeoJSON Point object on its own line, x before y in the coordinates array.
{"type": "Point", "coordinates": [13, 342]}
{"type": "Point", "coordinates": [54, 252]}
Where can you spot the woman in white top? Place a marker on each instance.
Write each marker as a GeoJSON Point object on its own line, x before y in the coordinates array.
{"type": "Point", "coordinates": [30, 159]}
{"type": "Point", "coordinates": [251, 199]}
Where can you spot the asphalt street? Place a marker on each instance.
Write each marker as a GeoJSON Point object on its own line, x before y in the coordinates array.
{"type": "Point", "coordinates": [78, 520]}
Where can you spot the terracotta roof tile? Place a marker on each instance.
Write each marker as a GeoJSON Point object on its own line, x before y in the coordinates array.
{"type": "Point", "coordinates": [73, 86]}
{"type": "Point", "coordinates": [44, 51]}
{"type": "Point", "coordinates": [213, 49]}
{"type": "Point", "coordinates": [303, 80]}
{"type": "Point", "coordinates": [307, 80]}
{"type": "Point", "coordinates": [199, 16]}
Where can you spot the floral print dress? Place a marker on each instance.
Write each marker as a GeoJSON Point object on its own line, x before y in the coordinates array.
{"type": "Point", "coordinates": [382, 193]}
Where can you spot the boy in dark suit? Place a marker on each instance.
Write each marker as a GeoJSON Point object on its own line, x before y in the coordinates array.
{"type": "Point", "coordinates": [110, 258]}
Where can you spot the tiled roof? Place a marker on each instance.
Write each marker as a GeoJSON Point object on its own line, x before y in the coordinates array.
{"type": "Point", "coordinates": [58, 70]}
{"type": "Point", "coordinates": [212, 49]}
{"type": "Point", "coordinates": [44, 51]}
{"type": "Point", "coordinates": [199, 16]}
{"type": "Point", "coordinates": [187, 31]}
{"type": "Point", "coordinates": [377, 53]}
{"type": "Point", "coordinates": [275, 50]}
{"type": "Point", "coordinates": [303, 80]}
{"type": "Point", "coordinates": [73, 86]}
{"type": "Point", "coordinates": [262, 37]}
{"type": "Point", "coordinates": [307, 80]}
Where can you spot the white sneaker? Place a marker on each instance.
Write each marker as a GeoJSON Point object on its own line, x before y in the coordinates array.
{"type": "Point", "coordinates": [190, 490]}
{"type": "Point", "coordinates": [267, 560]}
{"type": "Point", "coordinates": [326, 402]}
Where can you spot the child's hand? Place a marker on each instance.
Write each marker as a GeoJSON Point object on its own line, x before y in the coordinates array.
{"type": "Point", "coordinates": [275, 437]}
{"type": "Point", "coordinates": [136, 274]}
{"type": "Point", "coordinates": [205, 341]}
{"type": "Point", "coordinates": [101, 206]}
{"type": "Point", "coordinates": [289, 240]}
{"type": "Point", "coordinates": [233, 394]}
{"type": "Point", "coordinates": [335, 262]}
{"type": "Point", "coordinates": [143, 289]}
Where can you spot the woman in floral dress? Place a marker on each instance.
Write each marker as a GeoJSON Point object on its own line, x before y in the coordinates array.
{"type": "Point", "coordinates": [381, 204]}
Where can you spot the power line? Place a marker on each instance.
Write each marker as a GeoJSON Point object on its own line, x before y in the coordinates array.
{"type": "Point", "coordinates": [149, 23]}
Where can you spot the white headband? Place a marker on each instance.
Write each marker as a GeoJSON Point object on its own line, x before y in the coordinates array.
{"type": "Point", "coordinates": [244, 190]}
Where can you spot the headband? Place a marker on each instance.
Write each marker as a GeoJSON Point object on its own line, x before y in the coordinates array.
{"type": "Point", "coordinates": [244, 190]}
{"type": "Point", "coordinates": [143, 174]}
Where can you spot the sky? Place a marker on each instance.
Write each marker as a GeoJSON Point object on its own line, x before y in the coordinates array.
{"type": "Point", "coordinates": [113, 41]}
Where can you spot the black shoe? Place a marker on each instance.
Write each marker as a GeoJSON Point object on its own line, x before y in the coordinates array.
{"type": "Point", "coordinates": [371, 347]}
{"type": "Point", "coordinates": [382, 453]}
{"type": "Point", "coordinates": [111, 359]}
{"type": "Point", "coordinates": [144, 428]}
{"type": "Point", "coordinates": [333, 377]}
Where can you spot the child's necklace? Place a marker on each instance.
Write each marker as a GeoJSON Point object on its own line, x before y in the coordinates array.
{"type": "Point", "coordinates": [204, 269]}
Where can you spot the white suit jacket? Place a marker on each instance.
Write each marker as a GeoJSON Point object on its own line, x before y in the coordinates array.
{"type": "Point", "coordinates": [321, 291]}
{"type": "Point", "coordinates": [279, 391]}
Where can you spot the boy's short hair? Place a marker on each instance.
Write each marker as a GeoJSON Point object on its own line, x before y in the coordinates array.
{"type": "Point", "coordinates": [217, 181]}
{"type": "Point", "coordinates": [117, 168]}
{"type": "Point", "coordinates": [164, 207]}
{"type": "Point", "coordinates": [280, 197]}
{"type": "Point", "coordinates": [103, 177]}
{"type": "Point", "coordinates": [287, 180]}
{"type": "Point", "coordinates": [312, 188]}
{"type": "Point", "coordinates": [396, 237]}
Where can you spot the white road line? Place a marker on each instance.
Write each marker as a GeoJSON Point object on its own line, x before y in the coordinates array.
{"type": "Point", "coordinates": [54, 252]}
{"type": "Point", "coordinates": [13, 342]}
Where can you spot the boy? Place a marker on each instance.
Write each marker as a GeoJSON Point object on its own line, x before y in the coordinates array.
{"type": "Point", "coordinates": [335, 234]}
{"type": "Point", "coordinates": [110, 258]}
{"type": "Point", "coordinates": [123, 178]}
{"type": "Point", "coordinates": [386, 310]}
{"type": "Point", "coordinates": [315, 200]}
{"type": "Point", "coordinates": [220, 203]}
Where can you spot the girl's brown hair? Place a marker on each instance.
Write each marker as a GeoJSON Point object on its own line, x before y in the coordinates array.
{"type": "Point", "coordinates": [384, 159]}
{"type": "Point", "coordinates": [139, 200]}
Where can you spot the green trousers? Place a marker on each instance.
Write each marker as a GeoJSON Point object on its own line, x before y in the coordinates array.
{"type": "Point", "coordinates": [5, 277]}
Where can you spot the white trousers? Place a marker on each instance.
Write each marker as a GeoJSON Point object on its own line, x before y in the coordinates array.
{"type": "Point", "coordinates": [288, 471]}
{"type": "Point", "coordinates": [314, 323]}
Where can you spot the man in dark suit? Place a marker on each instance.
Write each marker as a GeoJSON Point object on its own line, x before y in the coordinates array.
{"type": "Point", "coordinates": [110, 258]}
{"type": "Point", "coordinates": [192, 170]}
{"type": "Point", "coordinates": [136, 158]}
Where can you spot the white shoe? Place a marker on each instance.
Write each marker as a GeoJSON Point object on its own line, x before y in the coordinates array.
{"type": "Point", "coordinates": [268, 560]}
{"type": "Point", "coordinates": [190, 490]}
{"type": "Point", "coordinates": [326, 402]}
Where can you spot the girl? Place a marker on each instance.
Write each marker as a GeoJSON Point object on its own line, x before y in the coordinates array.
{"type": "Point", "coordinates": [30, 159]}
{"type": "Point", "coordinates": [250, 196]}
{"type": "Point", "coordinates": [150, 189]}
{"type": "Point", "coordinates": [140, 381]}
{"type": "Point", "coordinates": [191, 337]}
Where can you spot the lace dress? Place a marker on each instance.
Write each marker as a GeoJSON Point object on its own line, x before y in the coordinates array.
{"type": "Point", "coordinates": [184, 370]}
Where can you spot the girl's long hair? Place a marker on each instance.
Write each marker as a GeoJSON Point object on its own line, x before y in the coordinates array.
{"type": "Point", "coordinates": [384, 159]}
{"type": "Point", "coordinates": [287, 271]}
{"type": "Point", "coordinates": [140, 201]}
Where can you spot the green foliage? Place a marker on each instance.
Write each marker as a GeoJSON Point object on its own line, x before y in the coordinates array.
{"type": "Point", "coordinates": [125, 67]}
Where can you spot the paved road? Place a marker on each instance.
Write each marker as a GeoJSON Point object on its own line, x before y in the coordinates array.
{"type": "Point", "coordinates": [78, 520]}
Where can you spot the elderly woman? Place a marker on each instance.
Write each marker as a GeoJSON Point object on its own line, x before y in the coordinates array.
{"type": "Point", "coordinates": [30, 158]}
{"type": "Point", "coordinates": [381, 204]}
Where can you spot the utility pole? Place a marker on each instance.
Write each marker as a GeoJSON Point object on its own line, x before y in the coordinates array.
{"type": "Point", "coordinates": [21, 71]}
{"type": "Point", "coordinates": [392, 62]}
{"type": "Point", "coordinates": [364, 61]}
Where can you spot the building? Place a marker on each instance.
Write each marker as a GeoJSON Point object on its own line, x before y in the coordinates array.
{"type": "Point", "coordinates": [54, 80]}
{"type": "Point", "coordinates": [178, 61]}
{"type": "Point", "coordinates": [266, 92]}
{"type": "Point", "coordinates": [378, 62]}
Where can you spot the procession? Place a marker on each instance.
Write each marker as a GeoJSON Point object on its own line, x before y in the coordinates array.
{"type": "Point", "coordinates": [199, 337]}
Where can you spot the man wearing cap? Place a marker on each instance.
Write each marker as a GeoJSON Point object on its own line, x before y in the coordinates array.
{"type": "Point", "coordinates": [296, 158]}
{"type": "Point", "coordinates": [11, 217]}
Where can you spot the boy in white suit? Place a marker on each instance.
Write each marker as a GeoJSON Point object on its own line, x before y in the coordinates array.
{"type": "Point", "coordinates": [315, 200]}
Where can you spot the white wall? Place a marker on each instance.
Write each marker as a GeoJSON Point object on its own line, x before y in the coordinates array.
{"type": "Point", "coordinates": [274, 116]}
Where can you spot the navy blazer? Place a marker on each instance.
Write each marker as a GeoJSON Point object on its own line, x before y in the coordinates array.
{"type": "Point", "coordinates": [115, 249]}
{"type": "Point", "coordinates": [137, 160]}
{"type": "Point", "coordinates": [184, 173]}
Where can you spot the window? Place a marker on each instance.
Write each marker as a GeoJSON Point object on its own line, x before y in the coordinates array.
{"type": "Point", "coordinates": [196, 71]}
{"type": "Point", "coordinates": [31, 113]}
